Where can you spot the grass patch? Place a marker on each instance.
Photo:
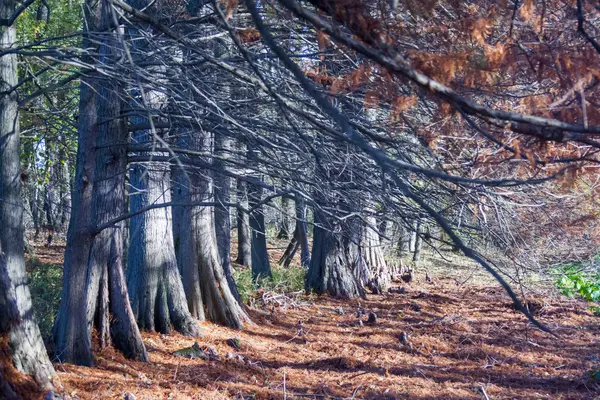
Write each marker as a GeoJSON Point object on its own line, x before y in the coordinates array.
{"type": "Point", "coordinates": [45, 283]}
{"type": "Point", "coordinates": [284, 280]}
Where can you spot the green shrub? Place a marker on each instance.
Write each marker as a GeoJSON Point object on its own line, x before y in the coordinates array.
{"type": "Point", "coordinates": [575, 281]}
{"type": "Point", "coordinates": [45, 283]}
{"type": "Point", "coordinates": [284, 280]}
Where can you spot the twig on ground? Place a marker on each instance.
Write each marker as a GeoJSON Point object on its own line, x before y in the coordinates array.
{"type": "Point", "coordinates": [284, 391]}
{"type": "Point", "coordinates": [482, 388]}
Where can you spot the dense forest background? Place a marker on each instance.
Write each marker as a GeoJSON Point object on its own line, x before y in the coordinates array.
{"type": "Point", "coordinates": [189, 161]}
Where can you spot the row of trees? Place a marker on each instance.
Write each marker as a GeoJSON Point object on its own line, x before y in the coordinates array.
{"type": "Point", "coordinates": [387, 121]}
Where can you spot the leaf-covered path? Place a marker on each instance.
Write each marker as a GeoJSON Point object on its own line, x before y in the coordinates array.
{"type": "Point", "coordinates": [462, 341]}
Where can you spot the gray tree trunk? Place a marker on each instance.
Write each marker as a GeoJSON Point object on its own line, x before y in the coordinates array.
{"type": "Point", "coordinates": [155, 286]}
{"type": "Point", "coordinates": [380, 276]}
{"type": "Point", "coordinates": [222, 189]}
{"type": "Point", "coordinates": [413, 237]}
{"type": "Point", "coordinates": [52, 194]}
{"type": "Point", "coordinates": [403, 240]}
{"type": "Point", "coordinates": [299, 240]}
{"type": "Point", "coordinates": [418, 243]}
{"type": "Point", "coordinates": [331, 270]}
{"type": "Point", "coordinates": [94, 289]}
{"type": "Point", "coordinates": [65, 191]}
{"type": "Point", "coordinates": [18, 328]}
{"type": "Point", "coordinates": [261, 267]}
{"type": "Point", "coordinates": [205, 284]}
{"type": "Point", "coordinates": [244, 256]}
{"type": "Point", "coordinates": [106, 280]}
{"type": "Point", "coordinates": [302, 233]}
{"type": "Point", "coordinates": [286, 221]}
{"type": "Point", "coordinates": [72, 342]}
{"type": "Point", "coordinates": [185, 233]}
{"type": "Point", "coordinates": [34, 206]}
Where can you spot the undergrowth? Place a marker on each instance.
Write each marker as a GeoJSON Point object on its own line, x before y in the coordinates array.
{"type": "Point", "coordinates": [576, 281]}
{"type": "Point", "coordinates": [283, 280]}
{"type": "Point", "coordinates": [45, 283]}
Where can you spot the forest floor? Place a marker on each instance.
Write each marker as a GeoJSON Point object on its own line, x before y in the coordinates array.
{"type": "Point", "coordinates": [465, 341]}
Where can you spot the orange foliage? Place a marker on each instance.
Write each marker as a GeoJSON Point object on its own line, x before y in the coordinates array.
{"type": "Point", "coordinates": [248, 35]}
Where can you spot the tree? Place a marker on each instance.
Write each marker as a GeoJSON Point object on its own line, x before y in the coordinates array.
{"type": "Point", "coordinates": [286, 220]}
{"type": "Point", "coordinates": [204, 279]}
{"type": "Point", "coordinates": [310, 133]}
{"type": "Point", "coordinates": [418, 243]}
{"type": "Point", "coordinates": [154, 283]}
{"type": "Point", "coordinates": [222, 183]}
{"type": "Point", "coordinates": [244, 253]}
{"type": "Point", "coordinates": [299, 239]}
{"type": "Point", "coordinates": [261, 268]}
{"type": "Point", "coordinates": [94, 274]}
{"type": "Point", "coordinates": [20, 336]}
{"type": "Point", "coordinates": [333, 261]}
{"type": "Point", "coordinates": [380, 275]}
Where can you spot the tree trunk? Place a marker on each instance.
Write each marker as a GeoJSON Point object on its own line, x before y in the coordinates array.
{"type": "Point", "coordinates": [331, 270]}
{"type": "Point", "coordinates": [72, 341]}
{"type": "Point", "coordinates": [260, 257]}
{"type": "Point", "coordinates": [302, 233]}
{"type": "Point", "coordinates": [290, 251]}
{"type": "Point", "coordinates": [155, 286]}
{"type": "Point", "coordinates": [403, 240]}
{"type": "Point", "coordinates": [286, 220]}
{"type": "Point", "coordinates": [244, 256]}
{"type": "Point", "coordinates": [380, 276]}
{"type": "Point", "coordinates": [35, 209]}
{"type": "Point", "coordinates": [299, 240]}
{"type": "Point", "coordinates": [185, 233]}
{"type": "Point", "coordinates": [418, 244]}
{"type": "Point", "coordinates": [413, 237]}
{"type": "Point", "coordinates": [94, 288]}
{"type": "Point", "coordinates": [65, 191]}
{"type": "Point", "coordinates": [20, 336]}
{"type": "Point", "coordinates": [222, 188]}
{"type": "Point", "coordinates": [201, 269]}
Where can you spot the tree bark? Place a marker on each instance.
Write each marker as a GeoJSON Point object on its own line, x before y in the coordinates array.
{"type": "Point", "coordinates": [413, 237]}
{"type": "Point", "coordinates": [19, 332]}
{"type": "Point", "coordinates": [65, 191]}
{"type": "Point", "coordinates": [286, 221]}
{"type": "Point", "coordinates": [204, 279]}
{"type": "Point", "coordinates": [244, 255]}
{"type": "Point", "coordinates": [185, 232]}
{"type": "Point", "coordinates": [222, 188]}
{"type": "Point", "coordinates": [418, 243]}
{"type": "Point", "coordinates": [403, 240]}
{"type": "Point", "coordinates": [331, 270]}
{"type": "Point", "coordinates": [380, 276]}
{"type": "Point", "coordinates": [260, 257]}
{"type": "Point", "coordinates": [35, 209]}
{"type": "Point", "coordinates": [302, 233]}
{"type": "Point", "coordinates": [94, 288]}
{"type": "Point", "coordinates": [72, 342]}
{"type": "Point", "coordinates": [299, 240]}
{"type": "Point", "coordinates": [51, 195]}
{"type": "Point", "coordinates": [155, 286]}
